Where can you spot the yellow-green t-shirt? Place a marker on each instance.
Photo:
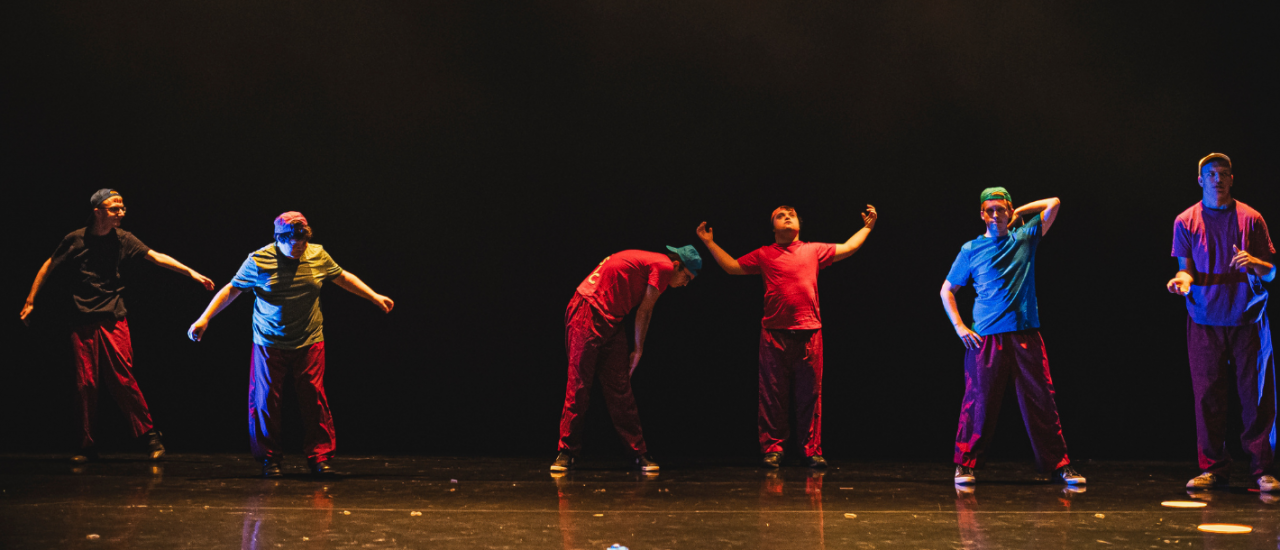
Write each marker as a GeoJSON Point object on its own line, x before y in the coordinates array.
{"type": "Point", "coordinates": [286, 313]}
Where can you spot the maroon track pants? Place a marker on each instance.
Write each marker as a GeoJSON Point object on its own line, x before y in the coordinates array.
{"type": "Point", "coordinates": [790, 368]}
{"type": "Point", "coordinates": [597, 348]}
{"type": "Point", "coordinates": [104, 347]}
{"type": "Point", "coordinates": [1214, 352]}
{"type": "Point", "coordinates": [1019, 356]}
{"type": "Point", "coordinates": [270, 367]}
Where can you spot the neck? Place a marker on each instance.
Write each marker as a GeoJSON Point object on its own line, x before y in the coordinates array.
{"type": "Point", "coordinates": [1214, 202]}
{"type": "Point", "coordinates": [993, 232]}
{"type": "Point", "coordinates": [100, 228]}
{"type": "Point", "coordinates": [786, 237]}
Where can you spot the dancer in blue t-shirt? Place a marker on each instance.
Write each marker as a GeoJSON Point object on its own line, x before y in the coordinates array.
{"type": "Point", "coordinates": [1004, 342]}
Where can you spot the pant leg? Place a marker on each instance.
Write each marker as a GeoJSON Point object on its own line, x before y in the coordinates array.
{"type": "Point", "coordinates": [1035, 397]}
{"type": "Point", "coordinates": [986, 373]}
{"type": "Point", "coordinates": [116, 363]}
{"type": "Point", "coordinates": [615, 379]}
{"type": "Point", "coordinates": [808, 392]}
{"type": "Point", "coordinates": [266, 375]}
{"type": "Point", "coordinates": [584, 335]}
{"type": "Point", "coordinates": [1251, 352]}
{"type": "Point", "coordinates": [308, 377]}
{"type": "Point", "coordinates": [1207, 354]}
{"type": "Point", "coordinates": [84, 361]}
{"type": "Point", "coordinates": [775, 390]}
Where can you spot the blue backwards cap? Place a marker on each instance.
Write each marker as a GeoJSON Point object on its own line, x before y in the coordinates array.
{"type": "Point", "coordinates": [101, 196]}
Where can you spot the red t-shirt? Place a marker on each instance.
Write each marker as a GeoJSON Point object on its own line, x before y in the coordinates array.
{"type": "Point", "coordinates": [618, 284]}
{"type": "Point", "coordinates": [790, 282]}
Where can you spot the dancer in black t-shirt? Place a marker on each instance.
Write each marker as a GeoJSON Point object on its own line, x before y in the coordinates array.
{"type": "Point", "coordinates": [90, 259]}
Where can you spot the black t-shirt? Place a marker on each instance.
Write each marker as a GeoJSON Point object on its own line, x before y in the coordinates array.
{"type": "Point", "coordinates": [90, 264]}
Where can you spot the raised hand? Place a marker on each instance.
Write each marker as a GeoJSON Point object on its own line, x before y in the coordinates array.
{"type": "Point", "coordinates": [704, 233]}
{"type": "Point", "coordinates": [869, 217]}
{"type": "Point", "coordinates": [1242, 259]}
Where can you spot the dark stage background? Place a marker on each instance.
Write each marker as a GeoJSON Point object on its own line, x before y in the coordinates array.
{"type": "Point", "coordinates": [475, 160]}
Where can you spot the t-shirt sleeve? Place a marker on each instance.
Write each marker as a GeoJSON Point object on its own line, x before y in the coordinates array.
{"type": "Point", "coordinates": [825, 253]}
{"type": "Point", "coordinates": [1181, 240]}
{"type": "Point", "coordinates": [60, 254]}
{"type": "Point", "coordinates": [247, 276]}
{"type": "Point", "coordinates": [961, 271]}
{"type": "Point", "coordinates": [327, 266]}
{"type": "Point", "coordinates": [1034, 228]}
{"type": "Point", "coordinates": [132, 247]}
{"type": "Point", "coordinates": [751, 262]}
{"type": "Point", "coordinates": [1260, 240]}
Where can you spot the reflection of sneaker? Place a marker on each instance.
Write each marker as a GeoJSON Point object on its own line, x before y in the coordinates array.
{"type": "Point", "coordinates": [87, 454]}
{"type": "Point", "coordinates": [1269, 498]}
{"type": "Point", "coordinates": [1207, 480]}
{"type": "Point", "coordinates": [965, 475]}
{"type": "Point", "coordinates": [816, 461]}
{"type": "Point", "coordinates": [1068, 475]}
{"type": "Point", "coordinates": [646, 463]}
{"type": "Point", "coordinates": [155, 449]}
{"type": "Point", "coordinates": [1073, 490]}
{"type": "Point", "coordinates": [963, 491]}
{"type": "Point", "coordinates": [563, 462]}
{"type": "Point", "coordinates": [771, 460]}
{"type": "Point", "coordinates": [1268, 484]}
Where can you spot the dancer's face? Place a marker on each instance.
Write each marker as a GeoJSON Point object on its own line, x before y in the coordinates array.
{"type": "Point", "coordinates": [110, 213]}
{"type": "Point", "coordinates": [680, 277]}
{"type": "Point", "coordinates": [1216, 180]}
{"type": "Point", "coordinates": [292, 247]}
{"type": "Point", "coordinates": [996, 215]}
{"type": "Point", "coordinates": [785, 220]}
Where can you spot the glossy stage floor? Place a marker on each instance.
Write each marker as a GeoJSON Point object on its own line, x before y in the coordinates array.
{"type": "Point", "coordinates": [217, 501]}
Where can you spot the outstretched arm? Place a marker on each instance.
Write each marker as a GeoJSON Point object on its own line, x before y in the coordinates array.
{"type": "Point", "coordinates": [220, 301]}
{"type": "Point", "coordinates": [847, 248]}
{"type": "Point", "coordinates": [970, 338]}
{"type": "Point", "coordinates": [643, 314]}
{"type": "Point", "coordinates": [35, 289]}
{"type": "Point", "coordinates": [349, 282]}
{"type": "Point", "coordinates": [1047, 208]}
{"type": "Point", "coordinates": [727, 263]}
{"type": "Point", "coordinates": [166, 261]}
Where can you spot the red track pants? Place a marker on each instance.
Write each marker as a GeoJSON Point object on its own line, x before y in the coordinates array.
{"type": "Point", "coordinates": [1215, 352]}
{"type": "Point", "coordinates": [597, 348]}
{"type": "Point", "coordinates": [790, 365]}
{"type": "Point", "coordinates": [1019, 356]}
{"type": "Point", "coordinates": [270, 367]}
{"type": "Point", "coordinates": [104, 346]}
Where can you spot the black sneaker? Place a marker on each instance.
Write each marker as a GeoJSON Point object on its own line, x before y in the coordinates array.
{"type": "Point", "coordinates": [321, 468]}
{"type": "Point", "coordinates": [816, 461]}
{"type": "Point", "coordinates": [1068, 475]}
{"type": "Point", "coordinates": [563, 462]}
{"type": "Point", "coordinates": [965, 475]}
{"type": "Point", "coordinates": [646, 463]}
{"type": "Point", "coordinates": [87, 454]}
{"type": "Point", "coordinates": [155, 449]}
{"type": "Point", "coordinates": [771, 460]}
{"type": "Point", "coordinates": [271, 469]}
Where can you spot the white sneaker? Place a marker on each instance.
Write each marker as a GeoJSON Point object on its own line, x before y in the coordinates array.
{"type": "Point", "coordinates": [1208, 480]}
{"type": "Point", "coordinates": [965, 475]}
{"type": "Point", "coordinates": [1268, 484]}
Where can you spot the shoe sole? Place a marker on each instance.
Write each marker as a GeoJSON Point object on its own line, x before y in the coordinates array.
{"type": "Point", "coordinates": [965, 480]}
{"type": "Point", "coordinates": [555, 468]}
{"type": "Point", "coordinates": [648, 468]}
{"type": "Point", "coordinates": [157, 454]}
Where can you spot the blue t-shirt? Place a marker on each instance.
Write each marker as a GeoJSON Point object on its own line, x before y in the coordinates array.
{"type": "Point", "coordinates": [286, 313]}
{"type": "Point", "coordinates": [1003, 272]}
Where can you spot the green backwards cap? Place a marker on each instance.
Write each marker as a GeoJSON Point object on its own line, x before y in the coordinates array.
{"type": "Point", "coordinates": [996, 194]}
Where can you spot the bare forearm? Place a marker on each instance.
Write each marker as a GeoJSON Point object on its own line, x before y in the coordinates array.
{"type": "Point", "coordinates": [727, 263]}
{"type": "Point", "coordinates": [1035, 207]}
{"type": "Point", "coordinates": [1265, 270]}
{"type": "Point", "coordinates": [349, 282]}
{"type": "Point", "coordinates": [220, 301]}
{"type": "Point", "coordinates": [166, 261]}
{"type": "Point", "coordinates": [39, 282]}
{"type": "Point", "coordinates": [953, 311]}
{"type": "Point", "coordinates": [852, 245]}
{"type": "Point", "coordinates": [642, 326]}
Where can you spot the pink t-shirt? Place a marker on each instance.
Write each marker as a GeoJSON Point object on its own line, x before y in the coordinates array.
{"type": "Point", "coordinates": [1221, 295]}
{"type": "Point", "coordinates": [619, 283]}
{"type": "Point", "coordinates": [790, 274]}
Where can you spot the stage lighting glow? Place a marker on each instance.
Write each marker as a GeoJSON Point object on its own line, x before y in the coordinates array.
{"type": "Point", "coordinates": [1183, 504]}
{"type": "Point", "coordinates": [1232, 528]}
